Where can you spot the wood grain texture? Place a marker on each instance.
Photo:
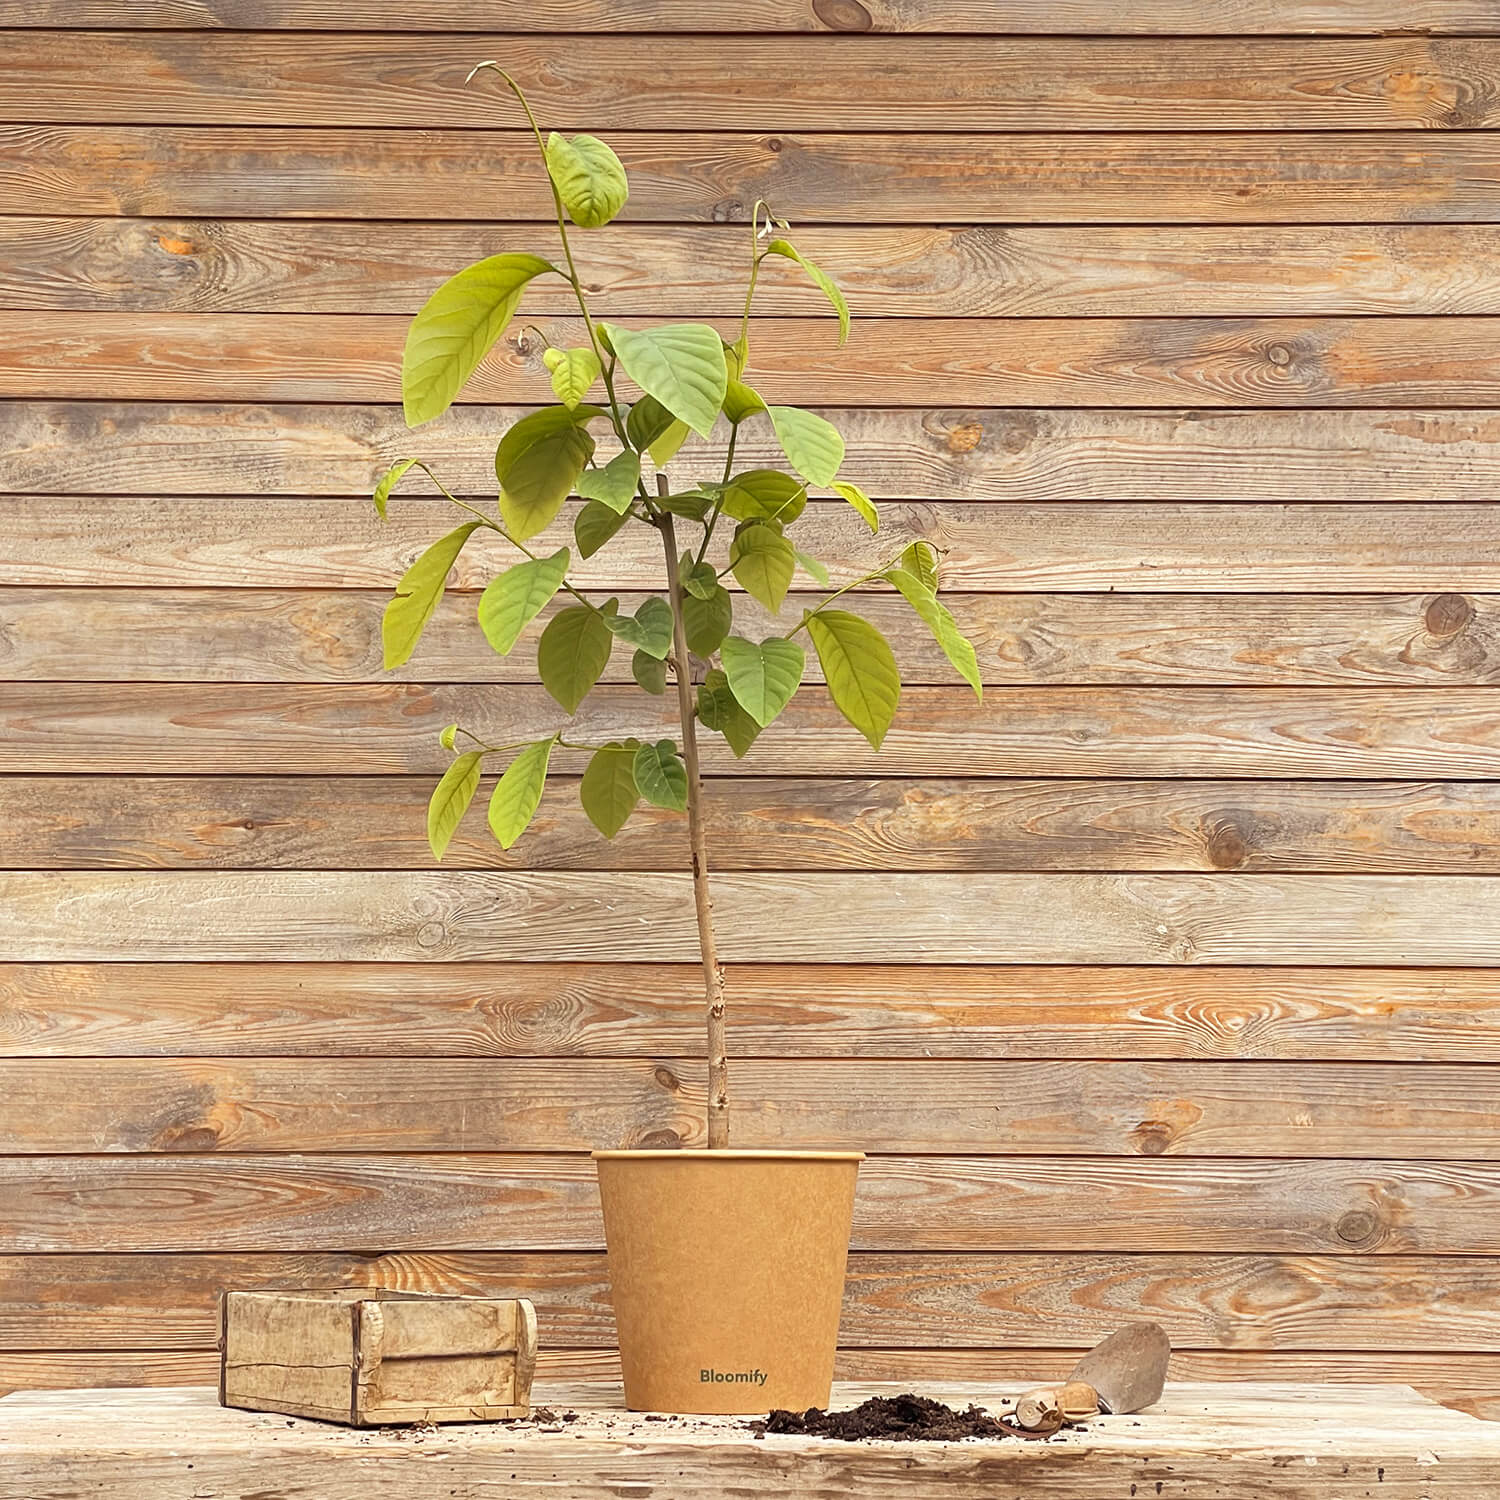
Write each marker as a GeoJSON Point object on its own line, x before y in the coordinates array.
{"type": "Point", "coordinates": [354, 729]}
{"type": "Point", "coordinates": [1014, 1108]}
{"type": "Point", "coordinates": [908, 271]}
{"type": "Point", "coordinates": [622, 83]}
{"type": "Point", "coordinates": [1046, 362]}
{"type": "Point", "coordinates": [951, 454]}
{"type": "Point", "coordinates": [886, 823]}
{"type": "Point", "coordinates": [206, 635]}
{"type": "Point", "coordinates": [579, 1009]}
{"type": "Point", "coordinates": [1311, 177]}
{"type": "Point", "coordinates": [376, 916]}
{"type": "Point", "coordinates": [160, 1204]}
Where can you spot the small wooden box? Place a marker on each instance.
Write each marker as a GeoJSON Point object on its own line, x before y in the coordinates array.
{"type": "Point", "coordinates": [370, 1358]}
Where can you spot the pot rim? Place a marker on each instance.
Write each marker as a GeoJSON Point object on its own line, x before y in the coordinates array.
{"type": "Point", "coordinates": [703, 1154]}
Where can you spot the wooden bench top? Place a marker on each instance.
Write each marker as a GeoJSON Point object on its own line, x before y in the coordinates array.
{"type": "Point", "coordinates": [1218, 1441]}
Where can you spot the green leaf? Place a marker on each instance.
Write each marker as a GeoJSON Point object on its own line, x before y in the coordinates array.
{"type": "Point", "coordinates": [589, 177]}
{"type": "Point", "coordinates": [645, 422]}
{"type": "Point", "coordinates": [388, 481]}
{"type": "Point", "coordinates": [681, 364]}
{"type": "Point", "coordinates": [935, 615]}
{"type": "Point", "coordinates": [740, 401]}
{"type": "Point", "coordinates": [418, 595]}
{"type": "Point", "coordinates": [813, 445]}
{"type": "Point", "coordinates": [457, 327]}
{"type": "Point", "coordinates": [764, 495]}
{"type": "Point", "coordinates": [823, 281]}
{"type": "Point", "coordinates": [813, 568]}
{"type": "Point", "coordinates": [573, 653]}
{"type": "Point", "coordinates": [763, 676]}
{"type": "Point", "coordinates": [706, 621]}
{"type": "Point", "coordinates": [574, 372]}
{"type": "Point", "coordinates": [763, 561]}
{"type": "Point", "coordinates": [595, 525]}
{"type": "Point", "coordinates": [664, 449]}
{"type": "Point", "coordinates": [698, 579]}
{"type": "Point", "coordinates": [608, 790]}
{"type": "Point", "coordinates": [518, 792]}
{"type": "Point", "coordinates": [538, 463]}
{"type": "Point", "coordinates": [861, 671]}
{"type": "Point", "coordinates": [920, 560]}
{"type": "Point", "coordinates": [450, 801]}
{"type": "Point", "coordinates": [448, 736]}
{"type": "Point", "coordinates": [650, 673]}
{"type": "Point", "coordinates": [614, 484]}
{"type": "Point", "coordinates": [648, 630]}
{"type": "Point", "coordinates": [694, 504]}
{"type": "Point", "coordinates": [860, 501]}
{"type": "Point", "coordinates": [661, 776]}
{"type": "Point", "coordinates": [514, 599]}
{"type": "Point", "coordinates": [719, 709]}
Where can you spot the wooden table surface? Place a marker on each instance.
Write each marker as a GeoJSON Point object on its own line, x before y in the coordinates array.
{"type": "Point", "coordinates": [1224, 1441]}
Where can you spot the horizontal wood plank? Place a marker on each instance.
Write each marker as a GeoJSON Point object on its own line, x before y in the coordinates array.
{"type": "Point", "coordinates": [1015, 1108]}
{"type": "Point", "coordinates": [207, 635]}
{"type": "Point", "coordinates": [428, 1203]}
{"type": "Point", "coordinates": [950, 454]}
{"type": "Point", "coordinates": [843, 82]}
{"type": "Point", "coordinates": [1047, 362]}
{"type": "Point", "coordinates": [373, 916]}
{"type": "Point", "coordinates": [1448, 733]}
{"type": "Point", "coordinates": [1343, 177]}
{"type": "Point", "coordinates": [576, 1009]}
{"type": "Point", "coordinates": [987, 271]}
{"type": "Point", "coordinates": [380, 823]}
{"type": "Point", "coordinates": [946, 1301]}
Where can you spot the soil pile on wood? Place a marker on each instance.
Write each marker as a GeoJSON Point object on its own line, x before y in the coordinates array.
{"type": "Point", "coordinates": [904, 1418]}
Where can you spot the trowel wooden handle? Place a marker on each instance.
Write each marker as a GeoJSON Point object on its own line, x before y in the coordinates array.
{"type": "Point", "coordinates": [1049, 1406]}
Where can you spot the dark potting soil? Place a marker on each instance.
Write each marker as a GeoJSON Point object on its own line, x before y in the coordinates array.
{"type": "Point", "coordinates": [904, 1418]}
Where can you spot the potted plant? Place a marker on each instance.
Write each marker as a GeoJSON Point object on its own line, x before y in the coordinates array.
{"type": "Point", "coordinates": [726, 1266]}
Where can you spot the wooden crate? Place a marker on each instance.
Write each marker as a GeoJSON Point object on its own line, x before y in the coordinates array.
{"type": "Point", "coordinates": [372, 1358]}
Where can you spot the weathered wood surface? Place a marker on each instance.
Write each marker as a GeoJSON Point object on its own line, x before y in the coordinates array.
{"type": "Point", "coordinates": [164, 1203]}
{"type": "Point", "coordinates": [268, 266]}
{"type": "Point", "coordinates": [1272, 1442]}
{"type": "Point", "coordinates": [1234, 1303]}
{"type": "Point", "coordinates": [1049, 362]}
{"type": "Point", "coordinates": [1158, 177]}
{"type": "Point", "coordinates": [954, 455]}
{"type": "Point", "coordinates": [448, 916]}
{"type": "Point", "coordinates": [379, 823]}
{"type": "Point", "coordinates": [285, 636]}
{"type": "Point", "coordinates": [358, 729]}
{"type": "Point", "coordinates": [577, 1009]}
{"type": "Point", "coordinates": [843, 83]}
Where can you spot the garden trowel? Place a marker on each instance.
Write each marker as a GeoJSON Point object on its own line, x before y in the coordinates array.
{"type": "Point", "coordinates": [1124, 1373]}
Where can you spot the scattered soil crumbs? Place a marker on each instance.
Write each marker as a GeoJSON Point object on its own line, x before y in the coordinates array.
{"type": "Point", "coordinates": [904, 1418]}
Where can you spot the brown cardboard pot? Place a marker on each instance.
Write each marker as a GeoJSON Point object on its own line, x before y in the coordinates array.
{"type": "Point", "coordinates": [727, 1272]}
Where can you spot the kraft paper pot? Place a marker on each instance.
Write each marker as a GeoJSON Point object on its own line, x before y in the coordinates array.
{"type": "Point", "coordinates": [727, 1273]}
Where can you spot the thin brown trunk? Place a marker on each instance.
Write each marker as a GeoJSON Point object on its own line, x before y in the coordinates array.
{"type": "Point", "coordinates": [713, 973]}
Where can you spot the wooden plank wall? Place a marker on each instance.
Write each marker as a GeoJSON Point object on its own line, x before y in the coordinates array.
{"type": "Point", "coordinates": [1163, 982]}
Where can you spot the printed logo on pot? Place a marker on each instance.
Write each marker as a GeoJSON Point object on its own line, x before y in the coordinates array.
{"type": "Point", "coordinates": [742, 1377]}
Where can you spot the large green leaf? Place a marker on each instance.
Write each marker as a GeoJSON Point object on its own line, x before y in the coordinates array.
{"type": "Point", "coordinates": [595, 525]}
{"type": "Point", "coordinates": [388, 482]}
{"type": "Point", "coordinates": [649, 673]}
{"type": "Point", "coordinates": [740, 401]}
{"type": "Point", "coordinates": [589, 178]}
{"type": "Point", "coordinates": [935, 615]}
{"type": "Point", "coordinates": [680, 364]}
{"type": "Point", "coordinates": [698, 579]}
{"type": "Point", "coordinates": [862, 676]}
{"type": "Point", "coordinates": [812, 444]}
{"type": "Point", "coordinates": [813, 568]}
{"type": "Point", "coordinates": [764, 495]}
{"type": "Point", "coordinates": [720, 710]}
{"type": "Point", "coordinates": [418, 594]}
{"type": "Point", "coordinates": [762, 676]}
{"type": "Point", "coordinates": [821, 279]}
{"type": "Point", "coordinates": [763, 561]}
{"type": "Point", "coordinates": [860, 501]}
{"type": "Point", "coordinates": [648, 630]}
{"type": "Point", "coordinates": [706, 622]}
{"type": "Point", "coordinates": [608, 790]}
{"type": "Point", "coordinates": [457, 327]}
{"type": "Point", "coordinates": [614, 484]}
{"type": "Point", "coordinates": [574, 372]}
{"type": "Point", "coordinates": [573, 653]}
{"type": "Point", "coordinates": [538, 463]}
{"type": "Point", "coordinates": [514, 599]}
{"type": "Point", "coordinates": [661, 776]}
{"type": "Point", "coordinates": [518, 792]}
{"type": "Point", "coordinates": [694, 504]}
{"type": "Point", "coordinates": [450, 801]}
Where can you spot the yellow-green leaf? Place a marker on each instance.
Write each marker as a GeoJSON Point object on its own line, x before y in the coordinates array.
{"type": "Point", "coordinates": [661, 776]}
{"type": "Point", "coordinates": [574, 372]}
{"type": "Point", "coordinates": [680, 364]}
{"type": "Point", "coordinates": [388, 482]}
{"type": "Point", "coordinates": [418, 595]}
{"type": "Point", "coordinates": [860, 501]}
{"type": "Point", "coordinates": [820, 278]}
{"type": "Point", "coordinates": [518, 792]}
{"type": "Point", "coordinates": [573, 653]}
{"type": "Point", "coordinates": [538, 463]}
{"type": "Point", "coordinates": [608, 790]}
{"type": "Point", "coordinates": [762, 675]}
{"type": "Point", "coordinates": [589, 178]}
{"type": "Point", "coordinates": [450, 801]}
{"type": "Point", "coordinates": [614, 485]}
{"type": "Point", "coordinates": [514, 599]}
{"type": "Point", "coordinates": [763, 561]}
{"type": "Point", "coordinates": [813, 445]}
{"type": "Point", "coordinates": [935, 615]}
{"type": "Point", "coordinates": [863, 679]}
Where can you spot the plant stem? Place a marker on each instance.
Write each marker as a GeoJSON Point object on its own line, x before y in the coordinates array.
{"type": "Point", "coordinates": [713, 972]}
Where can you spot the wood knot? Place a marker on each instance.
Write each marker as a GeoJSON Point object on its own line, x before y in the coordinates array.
{"type": "Point", "coordinates": [668, 1080]}
{"type": "Point", "coordinates": [843, 15]}
{"type": "Point", "coordinates": [1225, 844]}
{"type": "Point", "coordinates": [727, 211]}
{"type": "Point", "coordinates": [188, 1138]}
{"type": "Point", "coordinates": [965, 438]}
{"type": "Point", "coordinates": [1447, 614]}
{"type": "Point", "coordinates": [659, 1140]}
{"type": "Point", "coordinates": [1279, 355]}
{"type": "Point", "coordinates": [1357, 1226]}
{"type": "Point", "coordinates": [773, 145]}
